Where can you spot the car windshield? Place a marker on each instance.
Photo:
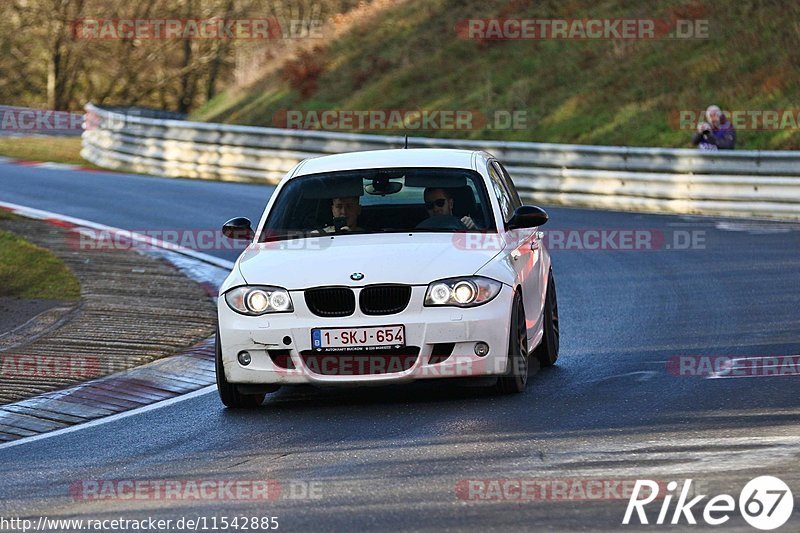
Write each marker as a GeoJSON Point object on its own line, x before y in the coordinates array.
{"type": "Point", "coordinates": [380, 201]}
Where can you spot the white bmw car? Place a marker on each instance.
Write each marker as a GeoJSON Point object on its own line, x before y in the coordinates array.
{"type": "Point", "coordinates": [383, 267]}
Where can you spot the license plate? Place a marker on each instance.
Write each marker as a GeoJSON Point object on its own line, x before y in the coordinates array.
{"type": "Point", "coordinates": [358, 338]}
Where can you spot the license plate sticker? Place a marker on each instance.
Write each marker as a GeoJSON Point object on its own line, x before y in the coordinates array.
{"type": "Point", "coordinates": [358, 338]}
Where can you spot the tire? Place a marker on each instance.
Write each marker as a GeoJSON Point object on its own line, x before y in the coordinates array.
{"type": "Point", "coordinates": [516, 377]}
{"type": "Point", "coordinates": [547, 351]}
{"type": "Point", "coordinates": [228, 393]}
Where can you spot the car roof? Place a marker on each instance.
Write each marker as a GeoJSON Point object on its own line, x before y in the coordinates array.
{"type": "Point", "coordinates": [413, 157]}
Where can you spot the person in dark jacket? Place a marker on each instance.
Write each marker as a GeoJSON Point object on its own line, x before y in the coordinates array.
{"type": "Point", "coordinates": [716, 134]}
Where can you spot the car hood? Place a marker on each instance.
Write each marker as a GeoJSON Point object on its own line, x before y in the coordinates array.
{"type": "Point", "coordinates": [414, 259]}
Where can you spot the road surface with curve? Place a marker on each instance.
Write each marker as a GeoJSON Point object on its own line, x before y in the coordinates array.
{"type": "Point", "coordinates": [398, 457]}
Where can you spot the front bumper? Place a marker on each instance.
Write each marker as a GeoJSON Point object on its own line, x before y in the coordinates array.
{"type": "Point", "coordinates": [425, 327]}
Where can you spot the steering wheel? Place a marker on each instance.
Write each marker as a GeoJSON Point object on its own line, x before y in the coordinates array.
{"type": "Point", "coordinates": [442, 222]}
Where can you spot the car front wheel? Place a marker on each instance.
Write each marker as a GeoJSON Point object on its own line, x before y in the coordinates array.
{"type": "Point", "coordinates": [547, 351]}
{"type": "Point", "coordinates": [228, 393]}
{"type": "Point", "coordinates": [516, 377]}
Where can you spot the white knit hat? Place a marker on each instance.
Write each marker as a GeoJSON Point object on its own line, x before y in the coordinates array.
{"type": "Point", "coordinates": [712, 109]}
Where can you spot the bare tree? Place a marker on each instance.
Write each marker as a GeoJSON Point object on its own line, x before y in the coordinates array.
{"type": "Point", "coordinates": [45, 60]}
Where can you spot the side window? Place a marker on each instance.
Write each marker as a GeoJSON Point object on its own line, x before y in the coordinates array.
{"type": "Point", "coordinates": [501, 192]}
{"type": "Point", "coordinates": [512, 190]}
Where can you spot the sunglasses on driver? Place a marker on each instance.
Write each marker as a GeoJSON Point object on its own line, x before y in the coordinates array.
{"type": "Point", "coordinates": [438, 203]}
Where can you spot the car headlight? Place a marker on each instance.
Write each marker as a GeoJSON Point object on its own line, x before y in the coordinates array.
{"type": "Point", "coordinates": [462, 292]}
{"type": "Point", "coordinates": [259, 300]}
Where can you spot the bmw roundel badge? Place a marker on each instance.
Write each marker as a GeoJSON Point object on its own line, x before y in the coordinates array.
{"type": "Point", "coordinates": [356, 276]}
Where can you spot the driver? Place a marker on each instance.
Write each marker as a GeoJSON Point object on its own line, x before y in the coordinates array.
{"type": "Point", "coordinates": [439, 202]}
{"type": "Point", "coordinates": [346, 209]}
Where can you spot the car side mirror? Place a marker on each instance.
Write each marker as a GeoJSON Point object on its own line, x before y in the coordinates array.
{"type": "Point", "coordinates": [528, 216]}
{"type": "Point", "coordinates": [238, 228]}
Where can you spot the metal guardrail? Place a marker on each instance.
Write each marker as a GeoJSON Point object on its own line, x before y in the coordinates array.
{"type": "Point", "coordinates": [730, 183]}
{"type": "Point", "coordinates": [147, 112]}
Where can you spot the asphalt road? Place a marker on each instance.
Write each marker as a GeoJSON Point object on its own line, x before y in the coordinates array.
{"type": "Point", "coordinates": [399, 457]}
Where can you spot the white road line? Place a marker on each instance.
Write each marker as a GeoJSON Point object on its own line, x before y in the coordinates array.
{"type": "Point", "coordinates": [762, 373]}
{"type": "Point", "coordinates": [112, 418]}
{"type": "Point", "coordinates": [42, 214]}
{"type": "Point", "coordinates": [57, 166]}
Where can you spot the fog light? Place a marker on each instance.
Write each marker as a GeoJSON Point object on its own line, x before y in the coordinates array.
{"type": "Point", "coordinates": [481, 349]}
{"type": "Point", "coordinates": [244, 358]}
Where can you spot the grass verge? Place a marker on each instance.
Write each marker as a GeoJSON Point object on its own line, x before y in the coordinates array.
{"type": "Point", "coordinates": [29, 271]}
{"type": "Point", "coordinates": [605, 92]}
{"type": "Point", "coordinates": [53, 149]}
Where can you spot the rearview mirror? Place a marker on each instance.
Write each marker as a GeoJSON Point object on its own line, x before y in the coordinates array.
{"type": "Point", "coordinates": [528, 216]}
{"type": "Point", "coordinates": [383, 186]}
{"type": "Point", "coordinates": [238, 228]}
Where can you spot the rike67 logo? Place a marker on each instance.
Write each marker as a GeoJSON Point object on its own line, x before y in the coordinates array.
{"type": "Point", "coordinates": [765, 503]}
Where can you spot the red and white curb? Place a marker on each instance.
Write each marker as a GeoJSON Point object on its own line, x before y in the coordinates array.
{"type": "Point", "coordinates": [50, 165]}
{"type": "Point", "coordinates": [160, 383]}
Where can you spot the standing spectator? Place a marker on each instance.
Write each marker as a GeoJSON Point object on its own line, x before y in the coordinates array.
{"type": "Point", "coordinates": [716, 134]}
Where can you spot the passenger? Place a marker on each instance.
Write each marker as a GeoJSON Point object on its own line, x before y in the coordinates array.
{"type": "Point", "coordinates": [345, 211]}
{"type": "Point", "coordinates": [439, 202]}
